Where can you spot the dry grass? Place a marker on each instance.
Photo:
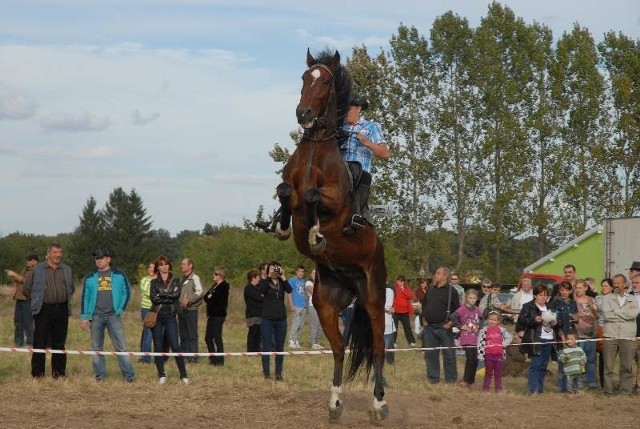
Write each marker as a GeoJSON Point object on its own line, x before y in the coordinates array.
{"type": "Point", "coordinates": [236, 395]}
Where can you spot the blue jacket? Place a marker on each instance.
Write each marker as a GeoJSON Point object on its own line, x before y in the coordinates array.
{"type": "Point", "coordinates": [120, 290]}
{"type": "Point", "coordinates": [40, 284]}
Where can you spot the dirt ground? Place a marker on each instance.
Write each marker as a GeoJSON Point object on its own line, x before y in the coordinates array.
{"type": "Point", "coordinates": [55, 404]}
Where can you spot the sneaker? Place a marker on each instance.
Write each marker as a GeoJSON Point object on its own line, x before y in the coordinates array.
{"type": "Point", "coordinates": [292, 344]}
{"type": "Point", "coordinates": [279, 377]}
{"type": "Point", "coordinates": [162, 380]}
{"type": "Point", "coordinates": [184, 380]}
{"type": "Point", "coordinates": [412, 345]}
{"type": "Point", "coordinates": [317, 346]}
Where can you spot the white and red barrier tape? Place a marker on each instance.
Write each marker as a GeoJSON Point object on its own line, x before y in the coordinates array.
{"type": "Point", "coordinates": [238, 354]}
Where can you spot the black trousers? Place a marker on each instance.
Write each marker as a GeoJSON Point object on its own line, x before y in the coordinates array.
{"type": "Point", "coordinates": [406, 326]}
{"type": "Point", "coordinates": [188, 330]}
{"type": "Point", "coordinates": [213, 338]}
{"type": "Point", "coordinates": [470, 364]}
{"type": "Point", "coordinates": [51, 327]}
{"type": "Point", "coordinates": [254, 338]}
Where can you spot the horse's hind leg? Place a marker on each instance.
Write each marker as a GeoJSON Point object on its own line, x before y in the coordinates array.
{"type": "Point", "coordinates": [375, 304]}
{"type": "Point", "coordinates": [380, 407]}
{"type": "Point", "coordinates": [282, 228]}
{"type": "Point", "coordinates": [329, 321]}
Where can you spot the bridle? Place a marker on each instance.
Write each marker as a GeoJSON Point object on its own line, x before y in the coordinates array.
{"type": "Point", "coordinates": [319, 118]}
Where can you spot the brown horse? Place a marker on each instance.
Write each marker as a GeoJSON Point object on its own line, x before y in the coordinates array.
{"type": "Point", "coordinates": [316, 193]}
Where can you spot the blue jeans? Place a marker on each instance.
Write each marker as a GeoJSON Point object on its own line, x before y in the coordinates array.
{"type": "Point", "coordinates": [538, 367]}
{"type": "Point", "coordinates": [23, 321]}
{"type": "Point", "coordinates": [273, 333]}
{"type": "Point", "coordinates": [438, 336]}
{"type": "Point", "coordinates": [589, 348]}
{"type": "Point", "coordinates": [347, 316]}
{"type": "Point", "coordinates": [146, 339]}
{"type": "Point", "coordinates": [314, 325]}
{"type": "Point", "coordinates": [390, 357]}
{"type": "Point", "coordinates": [113, 324]}
{"type": "Point", "coordinates": [297, 323]}
{"type": "Point", "coordinates": [167, 329]}
{"type": "Point", "coordinates": [562, 378]}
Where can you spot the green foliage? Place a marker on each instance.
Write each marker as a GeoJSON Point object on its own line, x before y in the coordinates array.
{"type": "Point", "coordinates": [240, 250]}
{"type": "Point", "coordinates": [122, 226]}
{"type": "Point", "coordinates": [15, 247]}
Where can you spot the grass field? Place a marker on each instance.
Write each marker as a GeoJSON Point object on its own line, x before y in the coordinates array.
{"type": "Point", "coordinates": [236, 395]}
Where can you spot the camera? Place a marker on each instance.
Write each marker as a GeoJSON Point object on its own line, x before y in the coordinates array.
{"type": "Point", "coordinates": [277, 270]}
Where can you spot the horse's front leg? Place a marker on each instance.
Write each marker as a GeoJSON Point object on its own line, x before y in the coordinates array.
{"type": "Point", "coordinates": [329, 321]}
{"type": "Point", "coordinates": [283, 225]}
{"type": "Point", "coordinates": [317, 242]}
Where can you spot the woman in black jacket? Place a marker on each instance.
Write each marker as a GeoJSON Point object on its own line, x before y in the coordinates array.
{"type": "Point", "coordinates": [217, 299]}
{"type": "Point", "coordinates": [253, 301]}
{"type": "Point", "coordinates": [539, 325]}
{"type": "Point", "coordinates": [274, 316]}
{"type": "Point", "coordinates": [165, 293]}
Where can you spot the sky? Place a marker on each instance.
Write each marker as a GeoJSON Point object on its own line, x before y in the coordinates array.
{"type": "Point", "coordinates": [183, 100]}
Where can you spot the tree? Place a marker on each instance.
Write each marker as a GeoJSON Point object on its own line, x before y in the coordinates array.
{"type": "Point", "coordinates": [621, 59]}
{"type": "Point", "coordinates": [14, 249]}
{"type": "Point", "coordinates": [580, 90]}
{"type": "Point", "coordinates": [128, 229]}
{"type": "Point", "coordinates": [502, 75]}
{"type": "Point", "coordinates": [456, 129]}
{"type": "Point", "coordinates": [86, 238]}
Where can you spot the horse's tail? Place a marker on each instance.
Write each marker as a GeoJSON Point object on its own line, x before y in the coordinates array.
{"type": "Point", "coordinates": [361, 343]}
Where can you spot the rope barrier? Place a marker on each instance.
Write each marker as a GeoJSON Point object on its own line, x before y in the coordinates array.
{"type": "Point", "coordinates": [249, 354]}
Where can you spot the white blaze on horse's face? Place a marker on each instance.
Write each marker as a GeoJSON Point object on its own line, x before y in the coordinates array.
{"type": "Point", "coordinates": [315, 74]}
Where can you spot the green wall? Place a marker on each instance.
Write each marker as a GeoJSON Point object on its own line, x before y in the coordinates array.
{"type": "Point", "coordinates": [587, 256]}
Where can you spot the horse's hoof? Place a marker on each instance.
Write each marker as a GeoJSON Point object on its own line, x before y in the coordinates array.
{"type": "Point", "coordinates": [318, 247]}
{"type": "Point", "coordinates": [281, 234]}
{"type": "Point", "coordinates": [381, 414]}
{"type": "Point", "coordinates": [335, 413]}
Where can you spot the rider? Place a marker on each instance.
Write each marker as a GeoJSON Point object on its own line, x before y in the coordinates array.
{"type": "Point", "coordinates": [363, 140]}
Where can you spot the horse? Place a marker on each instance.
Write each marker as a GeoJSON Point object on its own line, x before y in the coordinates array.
{"type": "Point", "coordinates": [315, 196]}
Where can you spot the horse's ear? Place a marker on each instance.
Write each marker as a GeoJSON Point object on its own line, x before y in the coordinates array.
{"type": "Point", "coordinates": [310, 60]}
{"type": "Point", "coordinates": [336, 60]}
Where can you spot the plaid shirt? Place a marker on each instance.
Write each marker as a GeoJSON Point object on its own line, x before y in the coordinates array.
{"type": "Point", "coordinates": [353, 150]}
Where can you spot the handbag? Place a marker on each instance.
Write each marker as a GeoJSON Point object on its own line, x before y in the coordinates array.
{"type": "Point", "coordinates": [151, 318]}
{"type": "Point", "coordinates": [600, 342]}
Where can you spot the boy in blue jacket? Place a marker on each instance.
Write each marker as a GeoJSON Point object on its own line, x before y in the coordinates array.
{"type": "Point", "coordinates": [105, 296]}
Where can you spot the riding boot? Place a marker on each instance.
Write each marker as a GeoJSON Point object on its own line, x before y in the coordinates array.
{"type": "Point", "coordinates": [270, 225]}
{"type": "Point", "coordinates": [361, 214]}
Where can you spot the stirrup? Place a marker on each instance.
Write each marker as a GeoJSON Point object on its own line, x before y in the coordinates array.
{"type": "Point", "coordinates": [358, 221]}
{"type": "Point", "coordinates": [354, 224]}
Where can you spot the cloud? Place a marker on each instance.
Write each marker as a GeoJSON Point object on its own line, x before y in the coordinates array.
{"type": "Point", "coordinates": [64, 122]}
{"type": "Point", "coordinates": [98, 152]}
{"type": "Point", "coordinates": [15, 104]}
{"type": "Point", "coordinates": [138, 118]}
{"type": "Point", "coordinates": [8, 149]}
{"type": "Point", "coordinates": [242, 179]}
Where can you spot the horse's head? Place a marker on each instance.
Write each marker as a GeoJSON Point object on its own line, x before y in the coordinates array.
{"type": "Point", "coordinates": [318, 93]}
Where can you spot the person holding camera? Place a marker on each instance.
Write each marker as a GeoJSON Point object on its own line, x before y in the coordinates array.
{"type": "Point", "coordinates": [217, 300]}
{"type": "Point", "coordinates": [274, 316]}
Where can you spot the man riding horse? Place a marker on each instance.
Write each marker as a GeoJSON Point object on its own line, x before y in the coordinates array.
{"type": "Point", "coordinates": [362, 140]}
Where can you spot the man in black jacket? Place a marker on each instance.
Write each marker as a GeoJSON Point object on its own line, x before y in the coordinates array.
{"type": "Point", "coordinates": [440, 301]}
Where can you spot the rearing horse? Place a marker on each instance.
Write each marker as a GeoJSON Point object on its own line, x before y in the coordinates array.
{"type": "Point", "coordinates": [315, 193]}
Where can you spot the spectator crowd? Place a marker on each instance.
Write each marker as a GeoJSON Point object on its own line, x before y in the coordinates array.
{"type": "Point", "coordinates": [586, 333]}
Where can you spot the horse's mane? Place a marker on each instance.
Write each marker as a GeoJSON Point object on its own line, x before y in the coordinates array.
{"type": "Point", "coordinates": [342, 84]}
